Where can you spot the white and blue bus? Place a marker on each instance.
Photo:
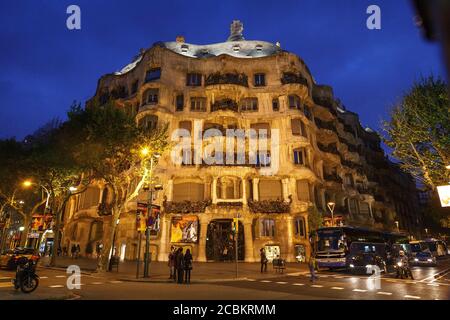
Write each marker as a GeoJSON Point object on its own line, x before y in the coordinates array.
{"type": "Point", "coordinates": [332, 245]}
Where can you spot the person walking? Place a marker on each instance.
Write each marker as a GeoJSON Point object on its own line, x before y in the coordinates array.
{"type": "Point", "coordinates": [187, 266]}
{"type": "Point", "coordinates": [264, 260]}
{"type": "Point", "coordinates": [179, 265]}
{"type": "Point", "coordinates": [73, 250]}
{"type": "Point", "coordinates": [171, 263]}
{"type": "Point", "coordinates": [78, 250]}
{"type": "Point", "coordinates": [312, 267]}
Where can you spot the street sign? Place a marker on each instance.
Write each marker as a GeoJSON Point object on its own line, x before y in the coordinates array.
{"type": "Point", "coordinates": [235, 225]}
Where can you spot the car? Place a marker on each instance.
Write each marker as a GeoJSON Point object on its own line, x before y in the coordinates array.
{"type": "Point", "coordinates": [424, 258]}
{"type": "Point", "coordinates": [9, 258]}
{"type": "Point", "coordinates": [364, 256]}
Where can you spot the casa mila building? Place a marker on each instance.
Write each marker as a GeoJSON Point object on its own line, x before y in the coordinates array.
{"type": "Point", "coordinates": [324, 155]}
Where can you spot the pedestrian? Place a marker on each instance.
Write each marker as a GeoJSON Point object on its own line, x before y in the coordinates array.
{"type": "Point", "coordinates": [171, 263]}
{"type": "Point", "coordinates": [73, 250]}
{"type": "Point", "coordinates": [187, 266]}
{"type": "Point", "coordinates": [64, 251]}
{"type": "Point", "coordinates": [312, 267]}
{"type": "Point", "coordinates": [225, 253]}
{"type": "Point", "coordinates": [264, 260]}
{"type": "Point", "coordinates": [78, 250]}
{"type": "Point", "coordinates": [179, 265]}
{"type": "Point", "coordinates": [59, 251]}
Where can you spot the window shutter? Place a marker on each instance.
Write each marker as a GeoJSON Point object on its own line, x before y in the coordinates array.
{"type": "Point", "coordinates": [296, 126]}
{"type": "Point", "coordinates": [270, 190]}
{"type": "Point", "coordinates": [303, 190]}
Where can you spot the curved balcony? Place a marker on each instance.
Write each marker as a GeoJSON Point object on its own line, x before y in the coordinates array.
{"type": "Point", "coordinates": [331, 148]}
{"type": "Point", "coordinates": [291, 77]}
{"type": "Point", "coordinates": [225, 104]}
{"type": "Point", "coordinates": [269, 206]}
{"type": "Point", "coordinates": [327, 125]}
{"type": "Point", "coordinates": [186, 206]}
{"type": "Point", "coordinates": [325, 102]}
{"type": "Point", "coordinates": [226, 78]}
{"type": "Point", "coordinates": [332, 178]}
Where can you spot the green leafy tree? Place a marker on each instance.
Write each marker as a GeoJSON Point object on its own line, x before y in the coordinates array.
{"type": "Point", "coordinates": [110, 148]}
{"type": "Point", "coordinates": [419, 132]}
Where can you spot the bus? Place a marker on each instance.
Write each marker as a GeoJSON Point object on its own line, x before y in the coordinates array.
{"type": "Point", "coordinates": [333, 243]}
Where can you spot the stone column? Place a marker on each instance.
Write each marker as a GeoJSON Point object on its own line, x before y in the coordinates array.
{"type": "Point", "coordinates": [223, 190]}
{"type": "Point", "coordinates": [255, 182]}
{"type": "Point", "coordinates": [214, 191]}
{"type": "Point", "coordinates": [201, 256]}
{"type": "Point", "coordinates": [164, 240]}
{"type": "Point", "coordinates": [244, 192]}
{"type": "Point", "coordinates": [248, 239]}
{"type": "Point", "coordinates": [285, 189]}
{"type": "Point", "coordinates": [290, 239]}
{"type": "Point", "coordinates": [169, 191]}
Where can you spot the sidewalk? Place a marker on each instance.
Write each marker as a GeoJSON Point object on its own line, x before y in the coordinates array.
{"type": "Point", "coordinates": [159, 271]}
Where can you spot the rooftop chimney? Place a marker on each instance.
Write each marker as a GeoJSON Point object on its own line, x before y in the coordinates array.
{"type": "Point", "coordinates": [236, 30]}
{"type": "Point", "coordinates": [180, 39]}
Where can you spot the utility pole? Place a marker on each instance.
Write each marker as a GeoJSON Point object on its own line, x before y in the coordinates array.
{"type": "Point", "coordinates": [147, 232]}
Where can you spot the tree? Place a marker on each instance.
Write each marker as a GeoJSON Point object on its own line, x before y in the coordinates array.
{"type": "Point", "coordinates": [52, 165]}
{"type": "Point", "coordinates": [109, 147]}
{"type": "Point", "coordinates": [13, 194]}
{"type": "Point", "coordinates": [419, 132]}
{"type": "Point", "coordinates": [315, 219]}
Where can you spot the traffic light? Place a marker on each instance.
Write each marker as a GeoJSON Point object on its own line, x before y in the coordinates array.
{"type": "Point", "coordinates": [235, 225]}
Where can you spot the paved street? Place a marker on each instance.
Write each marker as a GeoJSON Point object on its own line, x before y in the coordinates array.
{"type": "Point", "coordinates": [430, 283]}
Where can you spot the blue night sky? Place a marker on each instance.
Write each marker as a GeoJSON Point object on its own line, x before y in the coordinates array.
{"type": "Point", "coordinates": [44, 66]}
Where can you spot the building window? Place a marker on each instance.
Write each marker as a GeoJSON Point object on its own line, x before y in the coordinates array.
{"type": "Point", "coordinates": [153, 74]}
{"type": "Point", "coordinates": [267, 228]}
{"type": "Point", "coordinates": [179, 102]}
{"type": "Point", "coordinates": [294, 102]}
{"type": "Point", "coordinates": [193, 79]}
{"type": "Point", "coordinates": [249, 104]}
{"type": "Point", "coordinates": [348, 180]}
{"type": "Point", "coordinates": [262, 129]}
{"type": "Point", "coordinates": [308, 113]}
{"type": "Point", "coordinates": [260, 80]}
{"type": "Point", "coordinates": [198, 104]}
{"type": "Point", "coordinates": [303, 190]}
{"type": "Point", "coordinates": [187, 125]}
{"type": "Point", "coordinates": [300, 227]}
{"type": "Point", "coordinates": [353, 206]}
{"type": "Point", "coordinates": [275, 104]}
{"type": "Point", "coordinates": [298, 128]}
{"type": "Point", "coordinates": [300, 156]}
{"type": "Point", "coordinates": [152, 96]}
{"type": "Point", "coordinates": [188, 191]}
{"type": "Point", "coordinates": [148, 122]}
{"type": "Point", "coordinates": [270, 190]}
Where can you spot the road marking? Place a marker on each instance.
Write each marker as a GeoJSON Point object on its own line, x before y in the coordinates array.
{"type": "Point", "coordinates": [411, 297]}
{"type": "Point", "coordinates": [298, 284]}
{"type": "Point", "coordinates": [384, 293]}
{"type": "Point", "coordinates": [266, 281]}
{"type": "Point", "coordinates": [323, 276]}
{"type": "Point", "coordinates": [337, 288]}
{"type": "Point", "coordinates": [115, 281]}
{"type": "Point", "coordinates": [97, 283]}
{"type": "Point", "coordinates": [44, 277]}
{"type": "Point", "coordinates": [281, 282]}
{"type": "Point", "coordinates": [359, 290]}
{"type": "Point", "coordinates": [339, 277]}
{"type": "Point", "coordinates": [60, 276]}
{"type": "Point", "coordinates": [56, 286]}
{"type": "Point", "coordinates": [316, 286]}
{"type": "Point", "coordinates": [389, 280]}
{"type": "Point", "coordinates": [433, 284]}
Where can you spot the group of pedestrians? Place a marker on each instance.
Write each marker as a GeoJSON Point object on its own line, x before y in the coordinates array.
{"type": "Point", "coordinates": [75, 251]}
{"type": "Point", "coordinates": [180, 265]}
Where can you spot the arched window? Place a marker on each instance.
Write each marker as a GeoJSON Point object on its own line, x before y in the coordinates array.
{"type": "Point", "coordinates": [300, 227]}
{"type": "Point", "coordinates": [149, 122]}
{"type": "Point", "coordinates": [151, 96]}
{"type": "Point", "coordinates": [294, 102]}
{"type": "Point", "coordinates": [249, 104]}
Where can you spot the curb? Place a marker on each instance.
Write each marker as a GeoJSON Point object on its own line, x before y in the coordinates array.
{"type": "Point", "coordinates": [171, 281]}
{"type": "Point", "coordinates": [86, 273]}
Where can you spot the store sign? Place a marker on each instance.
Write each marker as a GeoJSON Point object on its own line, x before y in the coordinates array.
{"type": "Point", "coordinates": [444, 195]}
{"type": "Point", "coordinates": [184, 229]}
{"type": "Point", "coordinates": [40, 222]}
{"type": "Point", "coordinates": [144, 220]}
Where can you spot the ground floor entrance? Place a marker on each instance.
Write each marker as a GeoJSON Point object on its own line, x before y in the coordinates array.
{"type": "Point", "coordinates": [220, 241]}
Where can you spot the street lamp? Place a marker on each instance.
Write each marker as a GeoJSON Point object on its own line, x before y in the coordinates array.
{"type": "Point", "coordinates": [331, 206]}
{"type": "Point", "coordinates": [152, 187]}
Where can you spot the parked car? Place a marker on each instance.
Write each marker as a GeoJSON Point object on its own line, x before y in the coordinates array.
{"type": "Point", "coordinates": [364, 254]}
{"type": "Point", "coordinates": [438, 248]}
{"type": "Point", "coordinates": [10, 258]}
{"type": "Point", "coordinates": [418, 247]}
{"type": "Point", "coordinates": [424, 258]}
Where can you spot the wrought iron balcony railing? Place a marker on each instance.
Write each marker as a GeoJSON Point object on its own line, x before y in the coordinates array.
{"type": "Point", "coordinates": [227, 78]}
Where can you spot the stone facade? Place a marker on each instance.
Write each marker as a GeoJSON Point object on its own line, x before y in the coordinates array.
{"type": "Point", "coordinates": [324, 153]}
